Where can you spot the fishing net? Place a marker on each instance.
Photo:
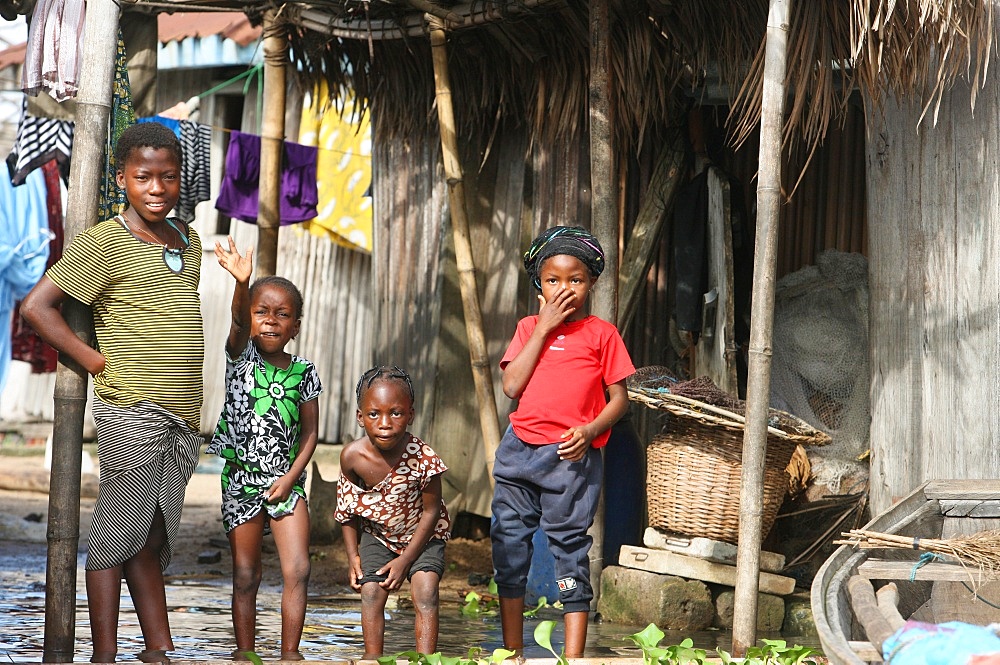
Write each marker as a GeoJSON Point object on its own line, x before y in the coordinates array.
{"type": "Point", "coordinates": [655, 381]}
{"type": "Point", "coordinates": [820, 369]}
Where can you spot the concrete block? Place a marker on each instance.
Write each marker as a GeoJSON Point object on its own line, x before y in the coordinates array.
{"type": "Point", "coordinates": [669, 563]}
{"type": "Point", "coordinates": [706, 548]}
{"type": "Point", "coordinates": [798, 616]}
{"type": "Point", "coordinates": [639, 597]}
{"type": "Point", "coordinates": [770, 611]}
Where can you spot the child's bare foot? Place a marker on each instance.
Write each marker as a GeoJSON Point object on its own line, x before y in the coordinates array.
{"type": "Point", "coordinates": [292, 655]}
{"type": "Point", "coordinates": [102, 657]}
{"type": "Point", "coordinates": [240, 656]}
{"type": "Point", "coordinates": [153, 656]}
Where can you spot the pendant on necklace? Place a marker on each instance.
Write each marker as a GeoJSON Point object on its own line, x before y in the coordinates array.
{"type": "Point", "coordinates": [174, 259]}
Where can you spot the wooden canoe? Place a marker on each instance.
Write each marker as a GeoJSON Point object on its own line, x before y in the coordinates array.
{"type": "Point", "coordinates": [935, 592]}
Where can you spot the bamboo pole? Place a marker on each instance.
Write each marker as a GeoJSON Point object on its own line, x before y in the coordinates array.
{"type": "Point", "coordinates": [603, 221]}
{"type": "Point", "coordinates": [489, 421]}
{"type": "Point", "coordinates": [761, 326]}
{"type": "Point", "coordinates": [272, 135]}
{"type": "Point", "coordinates": [93, 110]}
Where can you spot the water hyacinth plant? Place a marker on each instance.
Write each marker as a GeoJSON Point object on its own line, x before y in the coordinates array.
{"type": "Point", "coordinates": [475, 656]}
{"type": "Point", "coordinates": [773, 652]}
{"type": "Point", "coordinates": [476, 605]}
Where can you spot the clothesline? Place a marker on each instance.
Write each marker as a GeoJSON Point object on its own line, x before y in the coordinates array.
{"type": "Point", "coordinates": [229, 130]}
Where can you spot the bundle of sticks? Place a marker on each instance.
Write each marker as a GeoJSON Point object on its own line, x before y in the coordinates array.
{"type": "Point", "coordinates": [981, 550]}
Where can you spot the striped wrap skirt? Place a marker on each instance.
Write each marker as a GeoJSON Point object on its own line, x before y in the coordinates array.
{"type": "Point", "coordinates": [147, 456]}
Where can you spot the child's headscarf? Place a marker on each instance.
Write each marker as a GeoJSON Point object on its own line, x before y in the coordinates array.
{"type": "Point", "coordinates": [572, 240]}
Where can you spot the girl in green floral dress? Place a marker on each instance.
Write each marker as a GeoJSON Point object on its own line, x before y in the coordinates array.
{"type": "Point", "coordinates": [266, 434]}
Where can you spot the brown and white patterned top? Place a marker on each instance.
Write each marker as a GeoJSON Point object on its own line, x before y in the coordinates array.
{"type": "Point", "coordinates": [391, 510]}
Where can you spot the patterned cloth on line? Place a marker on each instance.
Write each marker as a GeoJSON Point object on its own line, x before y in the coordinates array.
{"type": "Point", "coordinates": [39, 140]}
{"type": "Point", "coordinates": [111, 198]}
{"type": "Point", "coordinates": [147, 456]}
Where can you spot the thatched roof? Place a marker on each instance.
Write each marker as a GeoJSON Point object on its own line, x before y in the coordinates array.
{"type": "Point", "coordinates": [526, 61]}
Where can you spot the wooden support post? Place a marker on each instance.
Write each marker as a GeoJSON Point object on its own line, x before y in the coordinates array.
{"type": "Point", "coordinates": [272, 136]}
{"type": "Point", "coordinates": [647, 230]}
{"type": "Point", "coordinates": [93, 110]}
{"type": "Point", "coordinates": [603, 220]}
{"type": "Point", "coordinates": [761, 327]}
{"type": "Point", "coordinates": [478, 353]}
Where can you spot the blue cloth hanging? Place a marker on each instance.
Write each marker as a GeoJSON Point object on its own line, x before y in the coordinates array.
{"type": "Point", "coordinates": [24, 249]}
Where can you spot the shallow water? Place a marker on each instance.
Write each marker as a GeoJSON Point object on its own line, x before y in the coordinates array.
{"type": "Point", "coordinates": [202, 629]}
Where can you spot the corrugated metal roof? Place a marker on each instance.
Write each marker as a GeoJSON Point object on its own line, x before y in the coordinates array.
{"type": "Point", "coordinates": [177, 27]}
{"type": "Point", "coordinates": [228, 25]}
{"type": "Point", "coordinates": [13, 55]}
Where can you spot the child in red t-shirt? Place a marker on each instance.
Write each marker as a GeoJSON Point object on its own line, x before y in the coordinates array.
{"type": "Point", "coordinates": [567, 370]}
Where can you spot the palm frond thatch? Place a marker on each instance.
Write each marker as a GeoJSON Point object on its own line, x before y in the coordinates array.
{"type": "Point", "coordinates": [526, 61]}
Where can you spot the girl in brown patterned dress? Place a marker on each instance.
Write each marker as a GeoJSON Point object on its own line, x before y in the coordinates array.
{"type": "Point", "coordinates": [389, 502]}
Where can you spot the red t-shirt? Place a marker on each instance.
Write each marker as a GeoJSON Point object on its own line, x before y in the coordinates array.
{"type": "Point", "coordinates": [580, 359]}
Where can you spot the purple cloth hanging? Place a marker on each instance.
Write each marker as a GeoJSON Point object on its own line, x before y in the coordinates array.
{"type": "Point", "coordinates": [239, 191]}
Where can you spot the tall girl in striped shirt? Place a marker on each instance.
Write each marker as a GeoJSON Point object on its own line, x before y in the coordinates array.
{"type": "Point", "coordinates": [139, 273]}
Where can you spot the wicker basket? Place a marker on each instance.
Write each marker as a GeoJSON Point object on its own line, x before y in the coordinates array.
{"type": "Point", "coordinates": [693, 470]}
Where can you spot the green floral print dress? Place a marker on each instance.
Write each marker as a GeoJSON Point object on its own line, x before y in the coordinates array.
{"type": "Point", "coordinates": [258, 434]}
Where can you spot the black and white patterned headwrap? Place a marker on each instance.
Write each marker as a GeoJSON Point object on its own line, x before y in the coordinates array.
{"type": "Point", "coordinates": [572, 240]}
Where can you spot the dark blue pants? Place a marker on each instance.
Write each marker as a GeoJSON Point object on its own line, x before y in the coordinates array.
{"type": "Point", "coordinates": [534, 488]}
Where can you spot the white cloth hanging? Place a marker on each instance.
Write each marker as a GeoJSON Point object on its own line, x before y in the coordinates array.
{"type": "Point", "coordinates": [54, 49]}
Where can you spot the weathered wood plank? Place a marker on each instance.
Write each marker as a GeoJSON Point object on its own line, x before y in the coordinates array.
{"type": "Point", "coordinates": [962, 489]}
{"type": "Point", "coordinates": [706, 548]}
{"type": "Point", "coordinates": [934, 197]}
{"type": "Point", "coordinates": [896, 279]}
{"type": "Point", "coordinates": [716, 348]}
{"type": "Point", "coordinates": [956, 601]}
{"type": "Point", "coordinates": [865, 651]}
{"type": "Point", "coordinates": [640, 250]}
{"type": "Point", "coordinates": [878, 569]}
{"type": "Point", "coordinates": [972, 509]}
{"type": "Point", "coordinates": [670, 563]}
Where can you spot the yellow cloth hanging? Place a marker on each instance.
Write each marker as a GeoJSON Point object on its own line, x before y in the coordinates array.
{"type": "Point", "coordinates": [344, 169]}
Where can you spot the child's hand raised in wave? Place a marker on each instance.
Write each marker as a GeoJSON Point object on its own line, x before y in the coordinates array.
{"type": "Point", "coordinates": [238, 266]}
{"type": "Point", "coordinates": [551, 314]}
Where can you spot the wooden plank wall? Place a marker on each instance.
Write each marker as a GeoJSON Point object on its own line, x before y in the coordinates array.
{"type": "Point", "coordinates": [827, 211]}
{"type": "Point", "coordinates": [409, 227]}
{"type": "Point", "coordinates": [511, 195]}
{"type": "Point", "coordinates": [415, 287]}
{"type": "Point", "coordinates": [934, 196]}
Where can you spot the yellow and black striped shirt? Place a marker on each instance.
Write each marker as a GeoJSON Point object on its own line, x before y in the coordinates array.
{"type": "Point", "coordinates": [147, 319]}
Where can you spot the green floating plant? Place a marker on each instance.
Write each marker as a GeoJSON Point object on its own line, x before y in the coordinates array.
{"type": "Point", "coordinates": [779, 653]}
{"type": "Point", "coordinates": [253, 657]}
{"type": "Point", "coordinates": [648, 639]}
{"type": "Point", "coordinates": [542, 602]}
{"type": "Point", "coordinates": [474, 657]}
{"type": "Point", "coordinates": [475, 606]}
{"type": "Point", "coordinates": [773, 652]}
{"type": "Point", "coordinates": [543, 638]}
